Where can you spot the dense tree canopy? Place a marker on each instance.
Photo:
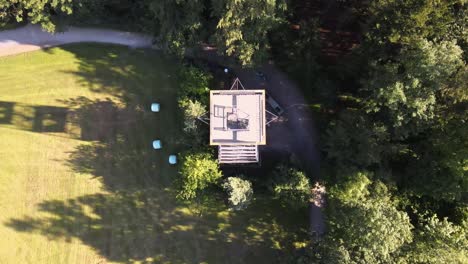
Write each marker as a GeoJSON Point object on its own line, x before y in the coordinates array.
{"type": "Point", "coordinates": [439, 241]}
{"type": "Point", "coordinates": [365, 226]}
{"type": "Point", "coordinates": [35, 11]}
{"type": "Point", "coordinates": [243, 26]}
{"type": "Point", "coordinates": [407, 127]}
{"type": "Point", "coordinates": [405, 91]}
{"type": "Point", "coordinates": [291, 186]}
{"type": "Point", "coordinates": [353, 141]}
{"type": "Point", "coordinates": [397, 21]}
{"type": "Point", "coordinates": [440, 162]}
{"type": "Point", "coordinates": [178, 23]}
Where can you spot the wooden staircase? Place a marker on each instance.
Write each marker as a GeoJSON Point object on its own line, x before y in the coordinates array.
{"type": "Point", "coordinates": [238, 154]}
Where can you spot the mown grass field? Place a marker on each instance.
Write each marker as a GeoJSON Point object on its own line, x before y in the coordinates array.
{"type": "Point", "coordinates": [79, 182]}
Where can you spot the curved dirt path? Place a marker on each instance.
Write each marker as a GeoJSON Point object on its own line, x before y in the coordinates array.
{"type": "Point", "coordinates": [297, 134]}
{"type": "Point", "coordinates": [32, 37]}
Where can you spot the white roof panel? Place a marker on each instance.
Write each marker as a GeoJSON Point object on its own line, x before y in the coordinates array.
{"type": "Point", "coordinates": [237, 117]}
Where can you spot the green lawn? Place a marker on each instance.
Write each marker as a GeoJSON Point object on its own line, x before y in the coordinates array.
{"type": "Point", "coordinates": [79, 182]}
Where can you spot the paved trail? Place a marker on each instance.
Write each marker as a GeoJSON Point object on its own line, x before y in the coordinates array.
{"type": "Point", "coordinates": [297, 134]}
{"type": "Point", "coordinates": [31, 37]}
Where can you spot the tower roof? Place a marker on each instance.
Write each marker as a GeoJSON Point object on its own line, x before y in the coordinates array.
{"type": "Point", "coordinates": [237, 117]}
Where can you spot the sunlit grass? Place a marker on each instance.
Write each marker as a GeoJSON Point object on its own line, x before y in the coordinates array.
{"type": "Point", "coordinates": [33, 165]}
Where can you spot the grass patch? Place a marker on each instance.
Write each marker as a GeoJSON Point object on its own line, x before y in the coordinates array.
{"type": "Point", "coordinates": [79, 182]}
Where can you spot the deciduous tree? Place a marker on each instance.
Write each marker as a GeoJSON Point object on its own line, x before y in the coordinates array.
{"type": "Point", "coordinates": [290, 186]}
{"type": "Point", "coordinates": [198, 171]}
{"type": "Point", "coordinates": [239, 191]}
{"type": "Point", "coordinates": [244, 24]}
{"type": "Point", "coordinates": [178, 23]}
{"type": "Point", "coordinates": [36, 11]}
{"type": "Point", "coordinates": [397, 21]}
{"type": "Point", "coordinates": [439, 241]}
{"type": "Point", "coordinates": [364, 224]}
{"type": "Point", "coordinates": [404, 92]}
{"type": "Point", "coordinates": [354, 141]}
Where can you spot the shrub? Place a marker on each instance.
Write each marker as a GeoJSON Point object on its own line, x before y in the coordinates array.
{"type": "Point", "coordinates": [194, 84]}
{"type": "Point", "coordinates": [198, 171]}
{"type": "Point", "coordinates": [291, 186]}
{"type": "Point", "coordinates": [192, 110]}
{"type": "Point", "coordinates": [240, 192]}
{"type": "Point", "coordinates": [193, 100]}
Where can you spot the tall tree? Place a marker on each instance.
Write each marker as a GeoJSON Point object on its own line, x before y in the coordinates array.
{"type": "Point", "coordinates": [36, 11]}
{"type": "Point", "coordinates": [364, 224]}
{"type": "Point", "coordinates": [401, 22]}
{"type": "Point", "coordinates": [291, 186]}
{"type": "Point", "coordinates": [439, 241]}
{"type": "Point", "coordinates": [244, 25]}
{"type": "Point", "coordinates": [354, 141]}
{"type": "Point", "coordinates": [404, 92]}
{"type": "Point", "coordinates": [178, 23]}
{"type": "Point", "coordinates": [439, 164]}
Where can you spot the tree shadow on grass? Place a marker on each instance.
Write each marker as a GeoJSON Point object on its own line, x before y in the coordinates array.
{"type": "Point", "coordinates": [49, 119]}
{"type": "Point", "coordinates": [6, 112]}
{"type": "Point", "coordinates": [120, 151]}
{"type": "Point", "coordinates": [149, 224]}
{"type": "Point", "coordinates": [37, 118]}
{"type": "Point", "coordinates": [135, 76]}
{"type": "Point", "coordinates": [125, 127]}
{"type": "Point", "coordinates": [123, 226]}
{"type": "Point", "coordinates": [100, 119]}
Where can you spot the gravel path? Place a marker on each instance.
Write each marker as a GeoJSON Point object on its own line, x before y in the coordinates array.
{"type": "Point", "coordinates": [31, 37]}
{"type": "Point", "coordinates": [297, 134]}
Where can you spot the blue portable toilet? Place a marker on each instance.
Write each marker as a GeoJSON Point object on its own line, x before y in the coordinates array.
{"type": "Point", "coordinates": [157, 144]}
{"type": "Point", "coordinates": [155, 107]}
{"type": "Point", "coordinates": [172, 159]}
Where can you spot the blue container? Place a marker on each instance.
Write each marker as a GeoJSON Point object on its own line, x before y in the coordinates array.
{"type": "Point", "coordinates": [155, 107]}
{"type": "Point", "coordinates": [172, 159]}
{"type": "Point", "coordinates": [157, 144]}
